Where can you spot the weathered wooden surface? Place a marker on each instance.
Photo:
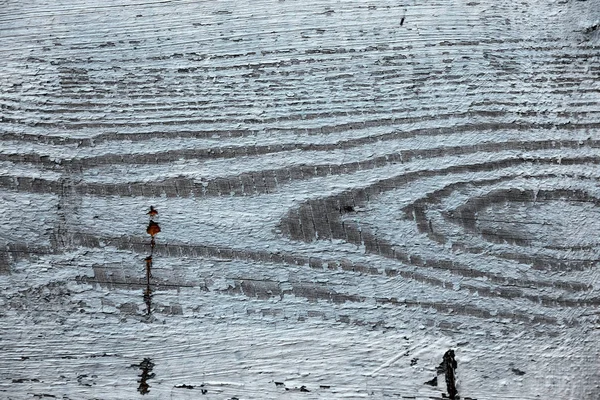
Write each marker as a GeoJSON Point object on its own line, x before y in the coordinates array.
{"type": "Point", "coordinates": [346, 191]}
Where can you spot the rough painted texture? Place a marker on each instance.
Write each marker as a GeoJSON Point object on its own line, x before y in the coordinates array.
{"type": "Point", "coordinates": [347, 190]}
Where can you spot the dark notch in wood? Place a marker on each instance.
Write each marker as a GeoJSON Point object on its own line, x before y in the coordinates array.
{"type": "Point", "coordinates": [183, 386]}
{"type": "Point", "coordinates": [448, 368]}
{"type": "Point", "coordinates": [148, 269]}
{"type": "Point", "coordinates": [146, 366]}
{"type": "Point", "coordinates": [148, 299]}
{"type": "Point", "coordinates": [432, 382]}
{"type": "Point", "coordinates": [592, 28]}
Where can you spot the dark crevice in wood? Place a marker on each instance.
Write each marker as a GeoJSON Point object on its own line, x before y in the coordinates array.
{"type": "Point", "coordinates": [448, 368]}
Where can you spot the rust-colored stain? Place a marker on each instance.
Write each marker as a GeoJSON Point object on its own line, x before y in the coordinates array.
{"type": "Point", "coordinates": [153, 229]}
{"type": "Point", "coordinates": [153, 212]}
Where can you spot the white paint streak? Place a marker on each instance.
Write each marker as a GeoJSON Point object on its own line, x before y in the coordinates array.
{"type": "Point", "coordinates": [462, 101]}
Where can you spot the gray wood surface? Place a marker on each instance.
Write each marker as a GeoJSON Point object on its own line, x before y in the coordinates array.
{"type": "Point", "coordinates": [346, 190]}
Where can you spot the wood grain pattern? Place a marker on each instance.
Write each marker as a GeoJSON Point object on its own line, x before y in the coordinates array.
{"type": "Point", "coordinates": [346, 190]}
